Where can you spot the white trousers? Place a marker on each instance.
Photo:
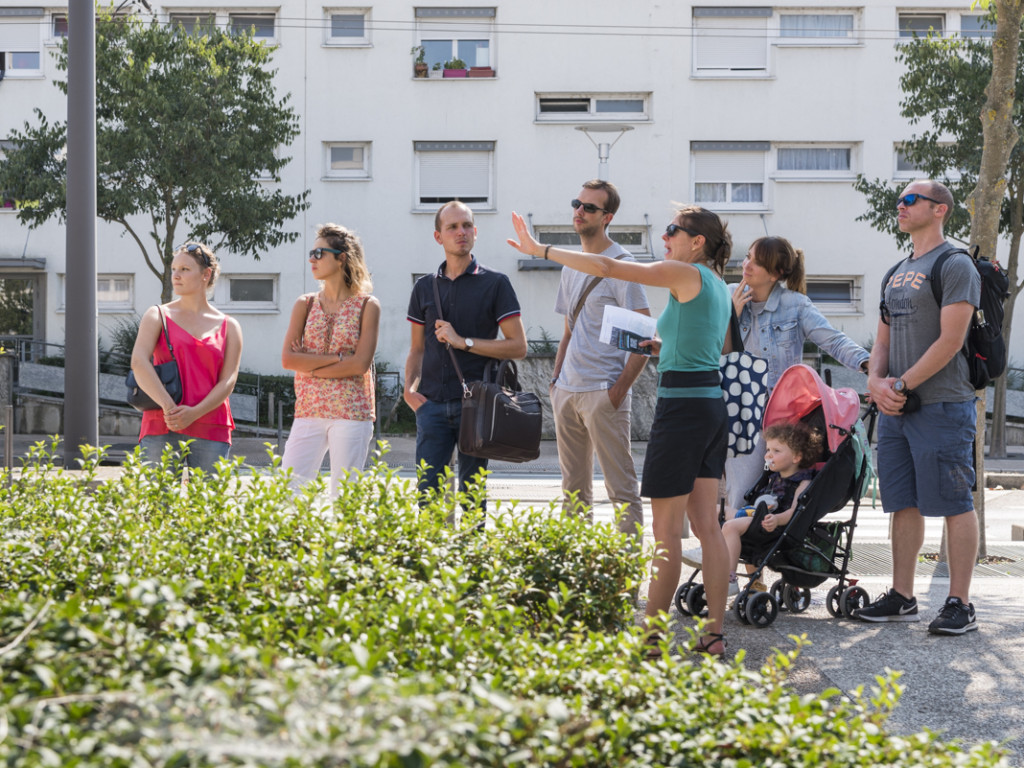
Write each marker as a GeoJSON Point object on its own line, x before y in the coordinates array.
{"type": "Point", "coordinates": [310, 439]}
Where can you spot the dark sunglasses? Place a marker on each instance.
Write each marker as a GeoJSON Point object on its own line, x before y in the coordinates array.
{"type": "Point", "coordinates": [913, 197]}
{"type": "Point", "coordinates": [193, 249]}
{"type": "Point", "coordinates": [588, 207]}
{"type": "Point", "coordinates": [318, 253]}
{"type": "Point", "coordinates": [671, 229]}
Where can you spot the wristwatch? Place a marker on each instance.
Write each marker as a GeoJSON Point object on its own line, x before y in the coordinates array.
{"type": "Point", "coordinates": [900, 386]}
{"type": "Point", "coordinates": [469, 344]}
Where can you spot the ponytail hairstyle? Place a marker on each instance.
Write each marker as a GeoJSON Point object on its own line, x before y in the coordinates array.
{"type": "Point", "coordinates": [717, 240]}
{"type": "Point", "coordinates": [781, 260]}
{"type": "Point", "coordinates": [357, 276]}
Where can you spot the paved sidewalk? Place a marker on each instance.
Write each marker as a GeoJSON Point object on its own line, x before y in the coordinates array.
{"type": "Point", "coordinates": [970, 687]}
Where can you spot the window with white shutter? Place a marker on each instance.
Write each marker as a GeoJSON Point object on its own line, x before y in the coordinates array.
{"type": "Point", "coordinates": [730, 41]}
{"type": "Point", "coordinates": [454, 170]}
{"type": "Point", "coordinates": [729, 175]}
{"type": "Point", "coordinates": [21, 35]}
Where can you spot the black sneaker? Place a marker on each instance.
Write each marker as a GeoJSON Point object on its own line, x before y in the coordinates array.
{"type": "Point", "coordinates": [889, 606]}
{"type": "Point", "coordinates": [955, 618]}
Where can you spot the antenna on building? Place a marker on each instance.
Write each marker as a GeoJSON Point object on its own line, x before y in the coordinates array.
{"type": "Point", "coordinates": [604, 147]}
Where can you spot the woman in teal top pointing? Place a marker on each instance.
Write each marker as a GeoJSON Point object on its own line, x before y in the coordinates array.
{"type": "Point", "coordinates": [686, 450]}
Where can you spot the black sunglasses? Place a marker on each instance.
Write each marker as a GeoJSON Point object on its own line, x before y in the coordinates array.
{"type": "Point", "coordinates": [318, 253]}
{"type": "Point", "coordinates": [194, 248]}
{"type": "Point", "coordinates": [588, 207]}
{"type": "Point", "coordinates": [913, 197]}
{"type": "Point", "coordinates": [671, 229]}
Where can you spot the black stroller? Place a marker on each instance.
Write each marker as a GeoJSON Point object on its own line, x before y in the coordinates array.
{"type": "Point", "coordinates": [809, 550]}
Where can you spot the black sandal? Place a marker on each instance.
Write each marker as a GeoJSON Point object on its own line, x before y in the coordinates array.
{"type": "Point", "coordinates": [707, 641]}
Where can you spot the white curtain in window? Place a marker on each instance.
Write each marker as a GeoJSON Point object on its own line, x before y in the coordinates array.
{"type": "Point", "coordinates": [815, 25]}
{"type": "Point", "coordinates": [731, 43]}
{"type": "Point", "coordinates": [814, 159]}
{"type": "Point", "coordinates": [455, 174]}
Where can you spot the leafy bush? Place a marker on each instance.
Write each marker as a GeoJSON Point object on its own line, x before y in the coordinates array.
{"type": "Point", "coordinates": [230, 621]}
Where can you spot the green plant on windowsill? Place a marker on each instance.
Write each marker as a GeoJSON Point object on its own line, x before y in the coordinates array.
{"type": "Point", "coordinates": [420, 63]}
{"type": "Point", "coordinates": [455, 64]}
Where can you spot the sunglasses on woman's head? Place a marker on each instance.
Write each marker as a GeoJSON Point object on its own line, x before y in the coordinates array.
{"type": "Point", "coordinates": [909, 200]}
{"type": "Point", "coordinates": [318, 253]}
{"type": "Point", "coordinates": [195, 248]}
{"type": "Point", "coordinates": [588, 207]}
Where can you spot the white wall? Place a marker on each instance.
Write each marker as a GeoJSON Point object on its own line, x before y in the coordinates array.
{"type": "Point", "coordinates": [811, 93]}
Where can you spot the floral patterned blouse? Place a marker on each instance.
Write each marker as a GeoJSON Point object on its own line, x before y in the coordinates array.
{"type": "Point", "coordinates": [350, 398]}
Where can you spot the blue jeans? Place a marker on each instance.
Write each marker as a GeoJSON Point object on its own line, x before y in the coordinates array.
{"type": "Point", "coordinates": [437, 435]}
{"type": "Point", "coordinates": [201, 454]}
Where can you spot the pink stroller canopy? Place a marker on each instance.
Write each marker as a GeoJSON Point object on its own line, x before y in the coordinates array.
{"type": "Point", "coordinates": [800, 390]}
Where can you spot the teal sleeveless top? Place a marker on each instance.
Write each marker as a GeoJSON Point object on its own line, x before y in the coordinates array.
{"type": "Point", "coordinates": [693, 334]}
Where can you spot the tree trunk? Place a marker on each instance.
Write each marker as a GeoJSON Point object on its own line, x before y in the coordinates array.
{"type": "Point", "coordinates": [997, 440]}
{"type": "Point", "coordinates": [985, 202]}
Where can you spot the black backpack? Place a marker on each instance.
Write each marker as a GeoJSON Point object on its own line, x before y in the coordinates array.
{"type": "Point", "coordinates": [985, 348]}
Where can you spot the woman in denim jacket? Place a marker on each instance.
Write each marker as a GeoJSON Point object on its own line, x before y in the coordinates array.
{"type": "Point", "coordinates": [775, 318]}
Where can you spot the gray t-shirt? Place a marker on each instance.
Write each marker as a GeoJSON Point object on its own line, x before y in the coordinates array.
{"type": "Point", "coordinates": [914, 323]}
{"type": "Point", "coordinates": [589, 363]}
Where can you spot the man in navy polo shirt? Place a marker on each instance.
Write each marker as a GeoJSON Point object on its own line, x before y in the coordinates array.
{"type": "Point", "coordinates": [476, 302]}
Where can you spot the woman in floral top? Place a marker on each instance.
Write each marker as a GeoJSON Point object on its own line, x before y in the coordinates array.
{"type": "Point", "coordinates": [331, 340]}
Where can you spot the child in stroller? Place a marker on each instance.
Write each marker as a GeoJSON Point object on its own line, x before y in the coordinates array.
{"type": "Point", "coordinates": [807, 550]}
{"type": "Point", "coordinates": [791, 451]}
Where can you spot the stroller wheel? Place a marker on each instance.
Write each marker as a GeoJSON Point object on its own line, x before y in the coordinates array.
{"type": "Point", "coordinates": [680, 598]}
{"type": "Point", "coordinates": [852, 599]}
{"type": "Point", "coordinates": [833, 601]}
{"type": "Point", "coordinates": [761, 609]}
{"type": "Point", "coordinates": [776, 591]}
{"type": "Point", "coordinates": [796, 599]}
{"type": "Point", "coordinates": [739, 606]}
{"type": "Point", "coordinates": [695, 602]}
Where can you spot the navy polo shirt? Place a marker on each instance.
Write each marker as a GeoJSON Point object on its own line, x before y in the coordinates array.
{"type": "Point", "coordinates": [474, 303]}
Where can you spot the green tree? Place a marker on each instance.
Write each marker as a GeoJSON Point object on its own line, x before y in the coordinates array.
{"type": "Point", "coordinates": [947, 87]}
{"type": "Point", "coordinates": [188, 135]}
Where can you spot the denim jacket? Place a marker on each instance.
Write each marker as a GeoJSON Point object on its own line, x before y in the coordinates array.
{"type": "Point", "coordinates": [788, 318]}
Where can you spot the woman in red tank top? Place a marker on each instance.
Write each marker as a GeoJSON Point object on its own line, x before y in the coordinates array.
{"type": "Point", "coordinates": [208, 347]}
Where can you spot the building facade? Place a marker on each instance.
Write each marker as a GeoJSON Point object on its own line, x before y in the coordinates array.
{"type": "Point", "coordinates": [764, 113]}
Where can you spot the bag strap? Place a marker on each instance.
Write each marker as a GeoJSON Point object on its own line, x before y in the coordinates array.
{"type": "Point", "coordinates": [440, 314]}
{"type": "Point", "coordinates": [167, 336]}
{"type": "Point", "coordinates": [883, 310]}
{"type": "Point", "coordinates": [309, 308]}
{"type": "Point", "coordinates": [586, 292]}
{"type": "Point", "coordinates": [735, 336]}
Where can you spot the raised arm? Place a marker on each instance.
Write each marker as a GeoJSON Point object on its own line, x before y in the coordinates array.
{"type": "Point", "coordinates": [682, 279]}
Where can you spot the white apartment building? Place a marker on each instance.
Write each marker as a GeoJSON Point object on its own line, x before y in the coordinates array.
{"type": "Point", "coordinates": [764, 113]}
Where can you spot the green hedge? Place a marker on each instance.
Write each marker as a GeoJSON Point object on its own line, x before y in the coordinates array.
{"type": "Point", "coordinates": [231, 622]}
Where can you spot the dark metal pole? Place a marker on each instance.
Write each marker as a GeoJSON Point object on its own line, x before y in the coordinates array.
{"type": "Point", "coordinates": [81, 371]}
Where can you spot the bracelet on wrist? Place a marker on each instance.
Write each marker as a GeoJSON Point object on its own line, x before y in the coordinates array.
{"type": "Point", "coordinates": [546, 249]}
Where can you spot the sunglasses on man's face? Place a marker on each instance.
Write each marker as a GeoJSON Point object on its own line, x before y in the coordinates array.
{"type": "Point", "coordinates": [671, 229]}
{"type": "Point", "coordinates": [318, 253]}
{"type": "Point", "coordinates": [913, 197]}
{"type": "Point", "coordinates": [588, 207]}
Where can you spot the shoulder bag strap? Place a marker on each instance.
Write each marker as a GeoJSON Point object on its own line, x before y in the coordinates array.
{"type": "Point", "coordinates": [883, 310]}
{"type": "Point", "coordinates": [167, 336]}
{"type": "Point", "coordinates": [735, 337]}
{"type": "Point", "coordinates": [309, 308]}
{"type": "Point", "coordinates": [586, 292]}
{"type": "Point", "coordinates": [440, 314]}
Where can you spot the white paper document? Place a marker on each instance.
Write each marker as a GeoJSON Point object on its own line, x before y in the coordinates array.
{"type": "Point", "coordinates": [623, 327]}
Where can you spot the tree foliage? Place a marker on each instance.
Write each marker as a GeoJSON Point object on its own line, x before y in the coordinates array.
{"type": "Point", "coordinates": [944, 84]}
{"type": "Point", "coordinates": [188, 134]}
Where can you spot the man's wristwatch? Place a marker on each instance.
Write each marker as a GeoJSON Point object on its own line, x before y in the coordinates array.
{"type": "Point", "coordinates": [900, 386]}
{"type": "Point", "coordinates": [469, 345]}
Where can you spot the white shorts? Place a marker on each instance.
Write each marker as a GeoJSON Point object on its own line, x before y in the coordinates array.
{"type": "Point", "coordinates": [310, 439]}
